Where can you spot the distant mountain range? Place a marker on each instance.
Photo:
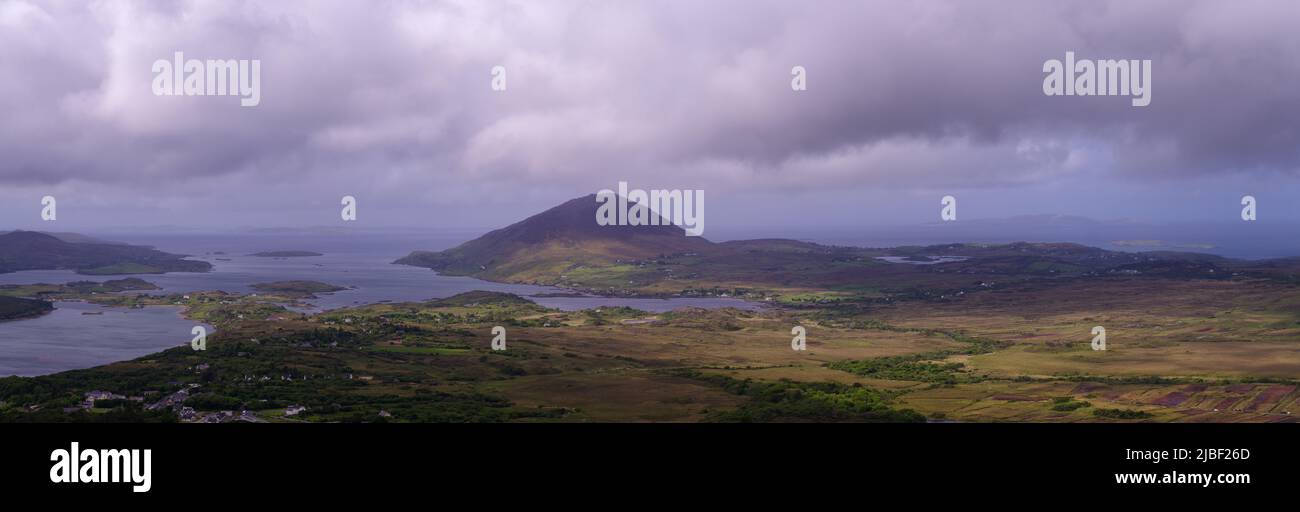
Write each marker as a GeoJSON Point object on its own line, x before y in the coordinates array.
{"type": "Point", "coordinates": [72, 238]}
{"type": "Point", "coordinates": [565, 246]}
{"type": "Point", "coordinates": [30, 250]}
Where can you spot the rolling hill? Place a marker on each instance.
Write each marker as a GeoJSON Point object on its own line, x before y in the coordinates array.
{"type": "Point", "coordinates": [29, 250]}
{"type": "Point", "coordinates": [549, 244]}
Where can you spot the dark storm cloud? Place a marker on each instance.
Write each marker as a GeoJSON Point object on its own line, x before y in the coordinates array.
{"type": "Point", "coordinates": [393, 97]}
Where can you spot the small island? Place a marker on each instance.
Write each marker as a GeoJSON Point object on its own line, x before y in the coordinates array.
{"type": "Point", "coordinates": [297, 289]}
{"type": "Point", "coordinates": [112, 285]}
{"type": "Point", "coordinates": [75, 290]}
{"type": "Point", "coordinates": [285, 254]}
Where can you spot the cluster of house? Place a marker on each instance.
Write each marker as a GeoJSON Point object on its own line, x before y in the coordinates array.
{"type": "Point", "coordinates": [88, 401]}
{"type": "Point", "coordinates": [176, 402]}
{"type": "Point", "coordinates": [220, 416]}
{"type": "Point", "coordinates": [265, 378]}
{"type": "Point", "coordinates": [173, 401]}
{"type": "Point", "coordinates": [294, 410]}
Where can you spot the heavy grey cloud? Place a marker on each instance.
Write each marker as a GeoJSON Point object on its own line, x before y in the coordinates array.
{"type": "Point", "coordinates": [392, 99]}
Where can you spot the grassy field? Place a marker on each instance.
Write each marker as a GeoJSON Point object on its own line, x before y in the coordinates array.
{"type": "Point", "coordinates": [1177, 350]}
{"type": "Point", "coordinates": [1219, 351]}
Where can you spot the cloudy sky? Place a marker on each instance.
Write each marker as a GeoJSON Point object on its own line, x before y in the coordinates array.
{"type": "Point", "coordinates": [391, 102]}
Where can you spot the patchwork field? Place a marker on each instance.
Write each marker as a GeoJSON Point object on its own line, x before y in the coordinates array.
{"type": "Point", "coordinates": [1218, 351]}
{"type": "Point", "coordinates": [1178, 350]}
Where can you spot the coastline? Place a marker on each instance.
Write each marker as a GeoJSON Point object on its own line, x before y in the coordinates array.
{"type": "Point", "coordinates": [180, 312]}
{"type": "Point", "coordinates": [31, 316]}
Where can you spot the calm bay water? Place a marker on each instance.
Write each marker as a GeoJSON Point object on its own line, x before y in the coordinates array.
{"type": "Point", "coordinates": [66, 339]}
